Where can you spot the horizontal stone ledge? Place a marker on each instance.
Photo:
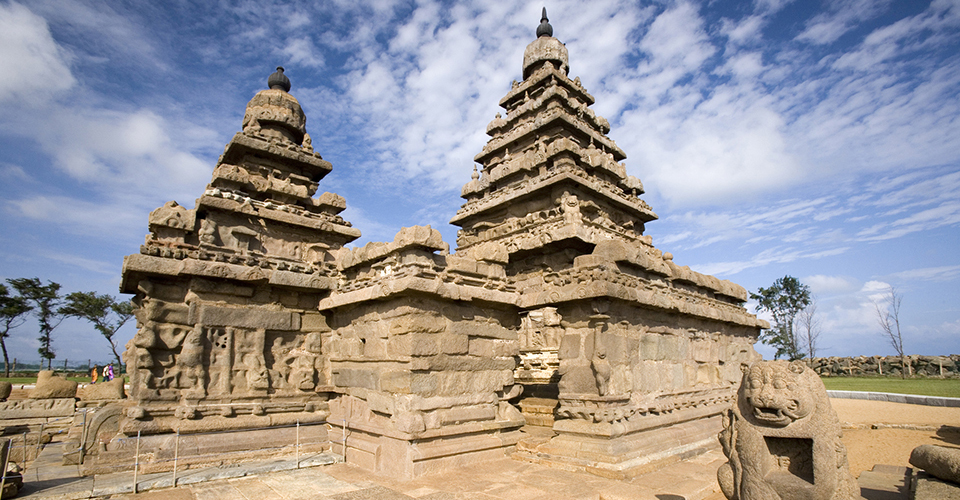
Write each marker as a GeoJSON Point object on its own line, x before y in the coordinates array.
{"type": "Point", "coordinates": [552, 295]}
{"type": "Point", "coordinates": [390, 287]}
{"type": "Point", "coordinates": [150, 265]}
{"type": "Point", "coordinates": [910, 399]}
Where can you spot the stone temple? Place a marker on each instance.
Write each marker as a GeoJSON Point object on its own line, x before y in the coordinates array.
{"type": "Point", "coordinates": [555, 332]}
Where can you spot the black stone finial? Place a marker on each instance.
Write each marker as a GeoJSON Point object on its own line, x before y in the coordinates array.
{"type": "Point", "coordinates": [544, 29]}
{"type": "Point", "coordinates": [279, 81]}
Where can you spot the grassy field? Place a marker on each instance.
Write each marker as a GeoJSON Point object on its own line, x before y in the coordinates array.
{"type": "Point", "coordinates": [33, 380]}
{"type": "Point", "coordinates": [949, 388]}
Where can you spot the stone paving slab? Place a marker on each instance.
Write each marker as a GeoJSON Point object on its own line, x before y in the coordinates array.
{"type": "Point", "coordinates": [506, 478]}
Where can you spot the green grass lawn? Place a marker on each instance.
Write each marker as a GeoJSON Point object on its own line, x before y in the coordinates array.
{"type": "Point", "coordinates": [33, 380]}
{"type": "Point", "coordinates": [949, 388]}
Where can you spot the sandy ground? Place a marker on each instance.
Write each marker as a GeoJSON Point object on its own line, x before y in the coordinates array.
{"type": "Point", "coordinates": [892, 446]}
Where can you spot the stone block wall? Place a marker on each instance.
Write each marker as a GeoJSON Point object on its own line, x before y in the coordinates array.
{"type": "Point", "coordinates": [865, 366]}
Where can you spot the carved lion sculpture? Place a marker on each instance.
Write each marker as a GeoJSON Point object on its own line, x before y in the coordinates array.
{"type": "Point", "coordinates": [782, 439]}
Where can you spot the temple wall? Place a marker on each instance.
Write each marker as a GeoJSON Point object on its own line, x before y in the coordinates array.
{"type": "Point", "coordinates": [424, 383]}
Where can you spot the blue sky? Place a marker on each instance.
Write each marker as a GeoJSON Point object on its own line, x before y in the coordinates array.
{"type": "Point", "coordinates": [773, 137]}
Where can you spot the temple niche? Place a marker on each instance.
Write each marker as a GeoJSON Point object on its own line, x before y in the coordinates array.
{"type": "Point", "coordinates": [555, 313]}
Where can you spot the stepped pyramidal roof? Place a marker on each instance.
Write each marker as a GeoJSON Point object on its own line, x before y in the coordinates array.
{"type": "Point", "coordinates": [552, 185]}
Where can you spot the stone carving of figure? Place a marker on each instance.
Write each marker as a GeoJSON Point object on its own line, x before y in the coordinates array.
{"type": "Point", "coordinates": [301, 375]}
{"type": "Point", "coordinates": [570, 206]}
{"type": "Point", "coordinates": [256, 372]}
{"type": "Point", "coordinates": [601, 368]}
{"type": "Point", "coordinates": [190, 364]}
{"type": "Point", "coordinates": [208, 231]}
{"type": "Point", "coordinates": [307, 142]}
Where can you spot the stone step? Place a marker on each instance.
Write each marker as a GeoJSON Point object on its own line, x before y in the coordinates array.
{"type": "Point", "coordinates": [886, 482]}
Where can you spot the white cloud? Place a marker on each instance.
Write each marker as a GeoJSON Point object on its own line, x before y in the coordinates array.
{"type": "Point", "coordinates": [113, 34]}
{"type": "Point", "coordinates": [844, 15]}
{"type": "Point", "coordinates": [940, 273]}
{"type": "Point", "coordinates": [822, 284]}
{"type": "Point", "coordinates": [78, 217]}
{"type": "Point", "coordinates": [302, 51]}
{"type": "Point", "coordinates": [32, 65]}
{"type": "Point", "coordinates": [768, 256]}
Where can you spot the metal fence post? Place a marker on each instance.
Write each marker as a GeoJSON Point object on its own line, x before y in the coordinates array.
{"type": "Point", "coordinates": [298, 443]}
{"type": "Point", "coordinates": [24, 457]}
{"type": "Point", "coordinates": [136, 464]}
{"type": "Point", "coordinates": [3, 480]}
{"type": "Point", "coordinates": [176, 456]}
{"type": "Point", "coordinates": [83, 437]}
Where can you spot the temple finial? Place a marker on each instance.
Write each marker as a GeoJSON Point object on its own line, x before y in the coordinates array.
{"type": "Point", "coordinates": [544, 29]}
{"type": "Point", "coordinates": [279, 81]}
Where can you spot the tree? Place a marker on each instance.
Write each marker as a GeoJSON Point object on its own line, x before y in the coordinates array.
{"type": "Point", "coordinates": [13, 310]}
{"type": "Point", "coordinates": [784, 299]}
{"type": "Point", "coordinates": [45, 300]}
{"type": "Point", "coordinates": [808, 327]}
{"type": "Point", "coordinates": [889, 319]}
{"type": "Point", "coordinates": [106, 314]}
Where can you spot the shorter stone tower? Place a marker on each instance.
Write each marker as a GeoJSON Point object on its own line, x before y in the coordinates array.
{"type": "Point", "coordinates": [229, 333]}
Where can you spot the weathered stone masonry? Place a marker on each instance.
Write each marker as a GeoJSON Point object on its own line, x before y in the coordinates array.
{"type": "Point", "coordinates": [254, 315]}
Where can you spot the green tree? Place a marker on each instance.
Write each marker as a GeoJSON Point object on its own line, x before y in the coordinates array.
{"type": "Point", "coordinates": [13, 310]}
{"type": "Point", "coordinates": [106, 314]}
{"type": "Point", "coordinates": [784, 300]}
{"type": "Point", "coordinates": [45, 300]}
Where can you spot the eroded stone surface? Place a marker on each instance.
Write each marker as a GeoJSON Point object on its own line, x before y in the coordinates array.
{"type": "Point", "coordinates": [782, 438]}
{"type": "Point", "coordinates": [253, 314]}
{"type": "Point", "coordinates": [51, 386]}
{"type": "Point", "coordinates": [938, 461]}
{"type": "Point", "coordinates": [103, 391]}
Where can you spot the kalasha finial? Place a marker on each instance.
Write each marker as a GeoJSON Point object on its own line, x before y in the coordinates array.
{"type": "Point", "coordinates": [474, 175]}
{"type": "Point", "coordinates": [544, 29]}
{"type": "Point", "coordinates": [279, 81]}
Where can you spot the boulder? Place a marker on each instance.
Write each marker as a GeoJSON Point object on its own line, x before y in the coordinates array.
{"type": "Point", "coordinates": [938, 461]}
{"type": "Point", "coordinates": [51, 386]}
{"type": "Point", "coordinates": [104, 390]}
{"type": "Point", "coordinates": [5, 389]}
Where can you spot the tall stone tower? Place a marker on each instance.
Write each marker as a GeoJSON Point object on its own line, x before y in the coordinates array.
{"type": "Point", "coordinates": [630, 357]}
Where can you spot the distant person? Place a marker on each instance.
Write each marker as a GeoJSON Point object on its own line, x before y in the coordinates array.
{"type": "Point", "coordinates": [94, 373]}
{"type": "Point", "coordinates": [110, 372]}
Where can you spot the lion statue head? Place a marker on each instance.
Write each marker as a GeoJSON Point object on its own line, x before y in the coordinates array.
{"type": "Point", "coordinates": [778, 393]}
